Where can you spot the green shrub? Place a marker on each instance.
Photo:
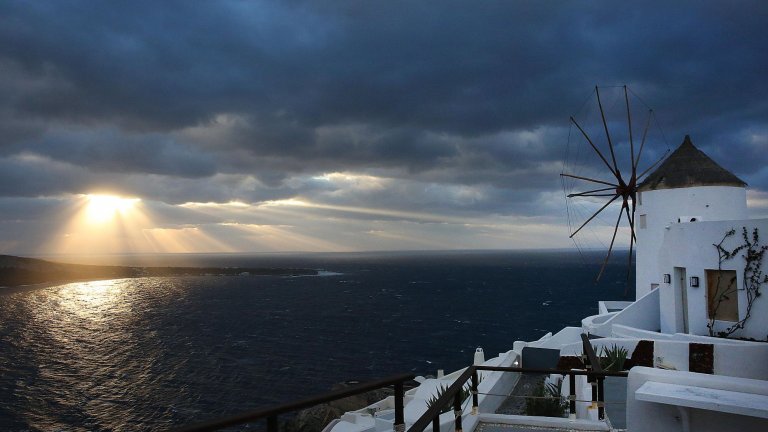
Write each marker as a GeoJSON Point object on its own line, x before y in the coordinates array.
{"type": "Point", "coordinates": [547, 401]}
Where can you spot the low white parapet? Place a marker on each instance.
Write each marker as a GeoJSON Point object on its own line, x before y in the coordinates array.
{"type": "Point", "coordinates": [577, 348]}
{"type": "Point", "coordinates": [622, 331]}
{"type": "Point", "coordinates": [649, 409]}
{"type": "Point", "coordinates": [596, 324]}
{"type": "Point", "coordinates": [545, 422]}
{"type": "Point", "coordinates": [606, 306]}
{"type": "Point", "coordinates": [642, 314]}
{"type": "Point", "coordinates": [711, 399]}
{"type": "Point", "coordinates": [565, 336]}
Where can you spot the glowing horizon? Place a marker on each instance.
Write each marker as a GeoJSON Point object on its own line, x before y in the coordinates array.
{"type": "Point", "coordinates": [102, 208]}
{"type": "Point", "coordinates": [104, 223]}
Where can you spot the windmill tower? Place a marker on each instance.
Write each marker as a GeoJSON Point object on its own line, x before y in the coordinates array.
{"type": "Point", "coordinates": [687, 187]}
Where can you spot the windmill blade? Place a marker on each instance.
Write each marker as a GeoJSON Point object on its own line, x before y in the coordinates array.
{"type": "Point", "coordinates": [631, 219]}
{"type": "Point", "coordinates": [573, 120]}
{"type": "Point", "coordinates": [596, 188]}
{"type": "Point", "coordinates": [588, 179]}
{"type": "Point", "coordinates": [629, 262]}
{"type": "Point", "coordinates": [629, 125]}
{"type": "Point", "coordinates": [592, 195]}
{"type": "Point", "coordinates": [587, 193]}
{"type": "Point", "coordinates": [654, 165]}
{"type": "Point", "coordinates": [613, 239]}
{"type": "Point", "coordinates": [642, 143]}
{"type": "Point", "coordinates": [605, 126]}
{"type": "Point", "coordinates": [594, 215]}
{"type": "Point", "coordinates": [632, 240]}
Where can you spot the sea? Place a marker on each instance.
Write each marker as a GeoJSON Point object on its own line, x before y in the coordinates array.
{"type": "Point", "coordinates": [158, 353]}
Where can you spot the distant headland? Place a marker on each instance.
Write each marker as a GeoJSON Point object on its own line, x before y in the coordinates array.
{"type": "Point", "coordinates": [16, 271]}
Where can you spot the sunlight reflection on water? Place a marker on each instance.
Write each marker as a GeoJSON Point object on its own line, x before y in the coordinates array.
{"type": "Point", "coordinates": [156, 353]}
{"type": "Point", "coordinates": [86, 355]}
{"type": "Point", "coordinates": [92, 300]}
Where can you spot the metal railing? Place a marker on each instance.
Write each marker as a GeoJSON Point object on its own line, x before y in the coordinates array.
{"type": "Point", "coordinates": [270, 413]}
{"type": "Point", "coordinates": [594, 372]}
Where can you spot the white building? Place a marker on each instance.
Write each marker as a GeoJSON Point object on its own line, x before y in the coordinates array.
{"type": "Point", "coordinates": [688, 187]}
{"type": "Point", "coordinates": [685, 208]}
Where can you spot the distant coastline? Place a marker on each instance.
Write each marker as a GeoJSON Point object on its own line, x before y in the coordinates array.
{"type": "Point", "coordinates": [17, 271]}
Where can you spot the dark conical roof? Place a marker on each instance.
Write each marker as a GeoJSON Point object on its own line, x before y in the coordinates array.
{"type": "Point", "coordinates": [687, 167]}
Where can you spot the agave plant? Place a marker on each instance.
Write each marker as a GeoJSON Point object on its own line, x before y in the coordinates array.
{"type": "Point", "coordinates": [612, 359]}
{"type": "Point", "coordinates": [463, 394]}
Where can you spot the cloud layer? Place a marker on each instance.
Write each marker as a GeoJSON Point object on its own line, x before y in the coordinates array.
{"type": "Point", "coordinates": [451, 109]}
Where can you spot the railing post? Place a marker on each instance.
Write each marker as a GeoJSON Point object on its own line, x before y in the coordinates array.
{"type": "Point", "coordinates": [572, 394]}
{"type": "Point", "coordinates": [475, 403]}
{"type": "Point", "coordinates": [399, 417]}
{"type": "Point", "coordinates": [436, 424]}
{"type": "Point", "coordinates": [457, 411]}
{"type": "Point", "coordinates": [596, 381]}
{"type": "Point", "coordinates": [272, 423]}
{"type": "Point", "coordinates": [592, 361]}
{"type": "Point", "coordinates": [600, 398]}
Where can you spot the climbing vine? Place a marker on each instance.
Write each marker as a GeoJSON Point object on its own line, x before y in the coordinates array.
{"type": "Point", "coordinates": [751, 282]}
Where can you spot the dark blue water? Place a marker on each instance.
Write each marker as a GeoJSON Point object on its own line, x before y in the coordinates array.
{"type": "Point", "coordinates": [154, 353]}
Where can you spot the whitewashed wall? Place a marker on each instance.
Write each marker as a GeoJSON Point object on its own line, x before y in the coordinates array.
{"type": "Point", "coordinates": [663, 207]}
{"type": "Point", "coordinates": [642, 314]}
{"type": "Point", "coordinates": [690, 246]}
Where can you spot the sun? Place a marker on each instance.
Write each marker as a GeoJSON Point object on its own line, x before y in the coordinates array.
{"type": "Point", "coordinates": [103, 208]}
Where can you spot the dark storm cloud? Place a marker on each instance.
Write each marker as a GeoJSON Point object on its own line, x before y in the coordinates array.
{"type": "Point", "coordinates": [107, 150]}
{"type": "Point", "coordinates": [449, 93]}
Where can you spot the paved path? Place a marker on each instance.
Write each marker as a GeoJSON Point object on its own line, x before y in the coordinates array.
{"type": "Point", "coordinates": [526, 385]}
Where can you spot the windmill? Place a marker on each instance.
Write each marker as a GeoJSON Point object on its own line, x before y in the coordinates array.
{"type": "Point", "coordinates": [604, 167]}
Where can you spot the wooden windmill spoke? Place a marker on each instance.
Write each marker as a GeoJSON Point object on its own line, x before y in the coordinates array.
{"type": "Point", "coordinates": [631, 219]}
{"type": "Point", "coordinates": [632, 240]}
{"type": "Point", "coordinates": [573, 120]}
{"type": "Point", "coordinates": [594, 215]}
{"type": "Point", "coordinates": [629, 125]}
{"type": "Point", "coordinates": [607, 135]}
{"type": "Point", "coordinates": [629, 263]}
{"type": "Point", "coordinates": [589, 179]}
{"type": "Point", "coordinates": [642, 143]}
{"type": "Point", "coordinates": [593, 195]}
{"type": "Point", "coordinates": [590, 192]}
{"type": "Point", "coordinates": [654, 165]}
{"type": "Point", "coordinates": [613, 239]}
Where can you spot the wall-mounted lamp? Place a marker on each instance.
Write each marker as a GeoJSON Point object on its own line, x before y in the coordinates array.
{"type": "Point", "coordinates": [667, 278]}
{"type": "Point", "coordinates": [695, 281]}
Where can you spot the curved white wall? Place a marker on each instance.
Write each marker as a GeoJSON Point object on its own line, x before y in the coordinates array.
{"type": "Point", "coordinates": [658, 209]}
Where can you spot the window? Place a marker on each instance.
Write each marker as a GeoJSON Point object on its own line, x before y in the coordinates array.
{"type": "Point", "coordinates": [643, 221]}
{"type": "Point", "coordinates": [639, 198]}
{"type": "Point", "coordinates": [722, 295]}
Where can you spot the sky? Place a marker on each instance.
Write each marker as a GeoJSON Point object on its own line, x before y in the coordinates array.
{"type": "Point", "coordinates": [272, 126]}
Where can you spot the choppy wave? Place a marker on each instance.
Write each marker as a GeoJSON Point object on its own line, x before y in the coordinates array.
{"type": "Point", "coordinates": [156, 353]}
